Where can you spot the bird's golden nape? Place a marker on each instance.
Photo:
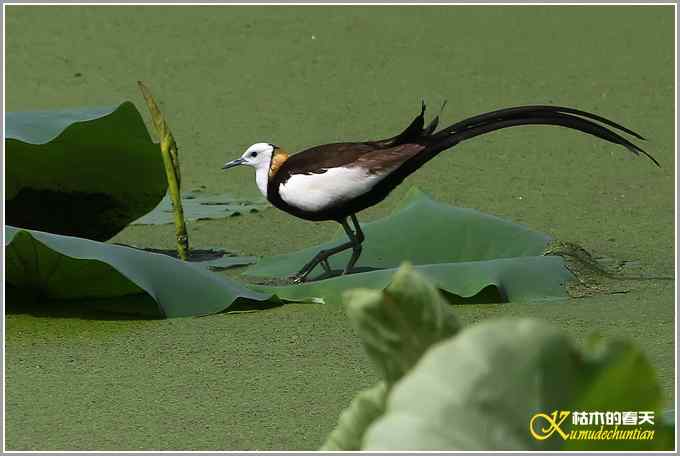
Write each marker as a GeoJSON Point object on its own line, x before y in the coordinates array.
{"type": "Point", "coordinates": [279, 156]}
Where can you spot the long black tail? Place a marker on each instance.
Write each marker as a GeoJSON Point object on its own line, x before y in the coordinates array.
{"type": "Point", "coordinates": [531, 115]}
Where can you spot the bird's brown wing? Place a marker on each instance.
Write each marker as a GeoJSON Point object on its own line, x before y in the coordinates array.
{"type": "Point", "coordinates": [388, 159]}
{"type": "Point", "coordinates": [321, 158]}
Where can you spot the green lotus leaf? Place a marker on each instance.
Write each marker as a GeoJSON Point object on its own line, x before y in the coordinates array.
{"type": "Point", "coordinates": [398, 324]}
{"type": "Point", "coordinates": [198, 205]}
{"type": "Point", "coordinates": [82, 172]}
{"type": "Point", "coordinates": [51, 267]}
{"type": "Point", "coordinates": [480, 389]}
{"type": "Point", "coordinates": [502, 280]}
{"type": "Point", "coordinates": [421, 231]}
{"type": "Point", "coordinates": [471, 255]}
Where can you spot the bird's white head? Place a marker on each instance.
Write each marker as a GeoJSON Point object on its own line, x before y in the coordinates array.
{"type": "Point", "coordinates": [266, 158]}
{"type": "Point", "coordinates": [258, 156]}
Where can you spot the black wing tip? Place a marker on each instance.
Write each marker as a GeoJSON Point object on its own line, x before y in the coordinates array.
{"type": "Point", "coordinates": [423, 106]}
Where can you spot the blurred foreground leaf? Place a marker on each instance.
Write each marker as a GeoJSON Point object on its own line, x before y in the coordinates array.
{"type": "Point", "coordinates": [398, 324]}
{"type": "Point", "coordinates": [481, 388]}
{"type": "Point", "coordinates": [366, 407]}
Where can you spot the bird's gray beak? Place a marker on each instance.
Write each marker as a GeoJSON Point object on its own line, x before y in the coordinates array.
{"type": "Point", "coordinates": [231, 164]}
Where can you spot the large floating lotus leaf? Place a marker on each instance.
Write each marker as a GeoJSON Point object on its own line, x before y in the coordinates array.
{"type": "Point", "coordinates": [463, 251]}
{"type": "Point", "coordinates": [198, 205]}
{"type": "Point", "coordinates": [82, 172]}
{"type": "Point", "coordinates": [501, 280]}
{"type": "Point", "coordinates": [55, 267]}
{"type": "Point", "coordinates": [421, 231]}
{"type": "Point", "coordinates": [480, 389]}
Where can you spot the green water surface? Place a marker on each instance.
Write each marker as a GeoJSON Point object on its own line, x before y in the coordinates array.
{"type": "Point", "coordinates": [228, 77]}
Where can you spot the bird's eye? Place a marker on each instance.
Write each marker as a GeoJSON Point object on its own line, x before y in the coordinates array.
{"type": "Point", "coordinates": [253, 154]}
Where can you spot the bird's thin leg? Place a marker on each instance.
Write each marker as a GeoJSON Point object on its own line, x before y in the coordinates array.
{"type": "Point", "coordinates": [323, 255]}
{"type": "Point", "coordinates": [358, 236]}
{"type": "Point", "coordinates": [357, 229]}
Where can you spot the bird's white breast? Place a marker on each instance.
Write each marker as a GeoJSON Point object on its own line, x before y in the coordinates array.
{"type": "Point", "coordinates": [261, 179]}
{"type": "Point", "coordinates": [316, 192]}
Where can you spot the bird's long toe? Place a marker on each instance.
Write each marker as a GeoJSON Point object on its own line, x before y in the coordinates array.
{"type": "Point", "coordinates": [298, 278]}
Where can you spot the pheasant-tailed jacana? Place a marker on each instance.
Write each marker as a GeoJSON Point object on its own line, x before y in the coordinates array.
{"type": "Point", "coordinates": [335, 181]}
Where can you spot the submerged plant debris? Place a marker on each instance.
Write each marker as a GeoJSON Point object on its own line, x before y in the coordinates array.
{"type": "Point", "coordinates": [596, 275]}
{"type": "Point", "coordinates": [201, 205]}
{"type": "Point", "coordinates": [213, 258]}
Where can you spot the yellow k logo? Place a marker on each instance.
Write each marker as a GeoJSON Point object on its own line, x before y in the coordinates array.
{"type": "Point", "coordinates": [552, 424]}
